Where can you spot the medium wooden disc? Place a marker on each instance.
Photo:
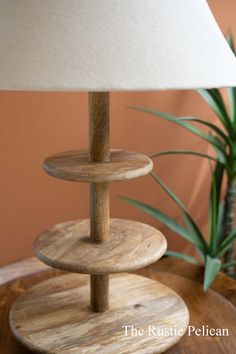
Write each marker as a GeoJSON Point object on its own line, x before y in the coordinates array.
{"type": "Point", "coordinates": [54, 317]}
{"type": "Point", "coordinates": [132, 245]}
{"type": "Point", "coordinates": [76, 166]}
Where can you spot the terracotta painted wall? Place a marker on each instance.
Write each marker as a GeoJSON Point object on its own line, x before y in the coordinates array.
{"type": "Point", "coordinates": [35, 125]}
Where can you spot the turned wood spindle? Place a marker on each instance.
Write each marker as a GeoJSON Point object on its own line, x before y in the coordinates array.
{"type": "Point", "coordinates": [99, 150]}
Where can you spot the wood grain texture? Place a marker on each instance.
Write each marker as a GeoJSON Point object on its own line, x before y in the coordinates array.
{"type": "Point", "coordinates": [223, 285]}
{"type": "Point", "coordinates": [99, 292]}
{"type": "Point", "coordinates": [99, 212]}
{"type": "Point", "coordinates": [99, 126]}
{"type": "Point", "coordinates": [76, 166]}
{"type": "Point", "coordinates": [53, 317]}
{"type": "Point", "coordinates": [99, 151]}
{"type": "Point", "coordinates": [132, 245]}
{"type": "Point", "coordinates": [205, 308]}
{"type": "Point", "coordinates": [23, 268]}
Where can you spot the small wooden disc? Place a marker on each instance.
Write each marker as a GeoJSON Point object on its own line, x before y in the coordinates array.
{"type": "Point", "coordinates": [54, 317]}
{"type": "Point", "coordinates": [132, 245]}
{"type": "Point", "coordinates": [76, 166]}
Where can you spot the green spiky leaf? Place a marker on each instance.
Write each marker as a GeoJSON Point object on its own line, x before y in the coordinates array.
{"type": "Point", "coordinates": [183, 257]}
{"type": "Point", "coordinates": [225, 244]}
{"type": "Point", "coordinates": [232, 90]}
{"type": "Point", "coordinates": [217, 178]}
{"type": "Point", "coordinates": [182, 152]}
{"type": "Point", "coordinates": [215, 101]}
{"type": "Point", "coordinates": [218, 145]}
{"type": "Point", "coordinates": [194, 231]}
{"type": "Point", "coordinates": [165, 219]}
{"type": "Point", "coordinates": [228, 264]}
{"type": "Point", "coordinates": [212, 268]}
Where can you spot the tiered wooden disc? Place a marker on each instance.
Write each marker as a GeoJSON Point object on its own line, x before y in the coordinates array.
{"type": "Point", "coordinates": [76, 166]}
{"type": "Point", "coordinates": [132, 246]}
{"type": "Point", "coordinates": [54, 316]}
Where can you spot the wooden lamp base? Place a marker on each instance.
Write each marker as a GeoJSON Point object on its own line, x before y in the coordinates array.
{"type": "Point", "coordinates": [54, 317]}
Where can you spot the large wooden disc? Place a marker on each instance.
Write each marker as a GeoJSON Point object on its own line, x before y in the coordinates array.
{"type": "Point", "coordinates": [132, 245]}
{"type": "Point", "coordinates": [76, 166]}
{"type": "Point", "coordinates": [205, 308]}
{"type": "Point", "coordinates": [54, 317]}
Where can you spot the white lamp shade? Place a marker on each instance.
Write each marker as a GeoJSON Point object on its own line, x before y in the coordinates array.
{"type": "Point", "coordinates": [101, 45]}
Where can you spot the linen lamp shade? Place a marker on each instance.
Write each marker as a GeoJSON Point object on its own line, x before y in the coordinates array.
{"type": "Point", "coordinates": [106, 45]}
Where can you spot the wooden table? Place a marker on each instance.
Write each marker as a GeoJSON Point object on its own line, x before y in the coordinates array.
{"type": "Point", "coordinates": [215, 309]}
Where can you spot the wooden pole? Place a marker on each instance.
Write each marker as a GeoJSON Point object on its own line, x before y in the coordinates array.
{"type": "Point", "coordinates": [99, 149]}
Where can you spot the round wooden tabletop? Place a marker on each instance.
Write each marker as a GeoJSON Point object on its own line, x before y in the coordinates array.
{"type": "Point", "coordinates": [208, 311]}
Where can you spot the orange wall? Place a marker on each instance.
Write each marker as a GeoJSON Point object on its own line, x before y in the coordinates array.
{"type": "Point", "coordinates": [35, 125]}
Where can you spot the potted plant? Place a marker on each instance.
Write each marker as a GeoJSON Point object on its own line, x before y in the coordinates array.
{"type": "Point", "coordinates": [217, 253]}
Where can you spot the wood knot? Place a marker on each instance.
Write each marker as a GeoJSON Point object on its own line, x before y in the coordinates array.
{"type": "Point", "coordinates": [137, 306]}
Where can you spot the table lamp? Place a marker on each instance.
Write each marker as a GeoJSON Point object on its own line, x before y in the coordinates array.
{"type": "Point", "coordinates": [101, 46]}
